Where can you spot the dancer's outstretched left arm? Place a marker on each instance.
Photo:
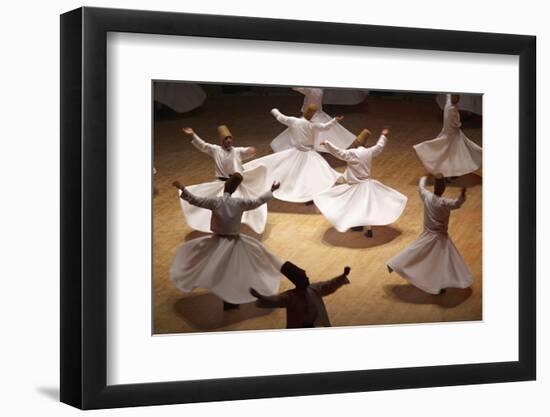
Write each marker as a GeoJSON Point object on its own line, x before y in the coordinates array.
{"type": "Point", "coordinates": [253, 203]}
{"type": "Point", "coordinates": [456, 203]}
{"type": "Point", "coordinates": [329, 124]}
{"type": "Point", "coordinates": [324, 288]}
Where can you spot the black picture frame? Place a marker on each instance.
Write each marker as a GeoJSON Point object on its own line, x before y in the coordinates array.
{"type": "Point", "coordinates": [84, 207]}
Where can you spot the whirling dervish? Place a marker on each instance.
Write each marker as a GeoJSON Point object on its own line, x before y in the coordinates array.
{"type": "Point", "coordinates": [432, 262]}
{"type": "Point", "coordinates": [227, 263]}
{"type": "Point", "coordinates": [304, 304]}
{"type": "Point", "coordinates": [451, 154]}
{"type": "Point", "coordinates": [338, 134]}
{"type": "Point", "coordinates": [361, 200]}
{"type": "Point", "coordinates": [227, 161]}
{"type": "Point", "coordinates": [303, 173]}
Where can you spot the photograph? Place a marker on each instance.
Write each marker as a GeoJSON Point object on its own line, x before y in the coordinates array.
{"type": "Point", "coordinates": [291, 207]}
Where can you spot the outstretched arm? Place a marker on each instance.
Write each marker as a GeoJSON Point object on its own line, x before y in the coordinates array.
{"type": "Point", "coordinates": [203, 202]}
{"type": "Point", "coordinates": [329, 124]}
{"type": "Point", "coordinates": [339, 153]}
{"type": "Point", "coordinates": [198, 143]}
{"type": "Point", "coordinates": [455, 203]}
{"type": "Point", "coordinates": [270, 301]}
{"type": "Point", "coordinates": [381, 144]}
{"type": "Point", "coordinates": [253, 203]}
{"type": "Point", "coordinates": [325, 288]}
{"type": "Point", "coordinates": [281, 118]}
{"type": "Point", "coordinates": [246, 152]}
{"type": "Point", "coordinates": [422, 188]}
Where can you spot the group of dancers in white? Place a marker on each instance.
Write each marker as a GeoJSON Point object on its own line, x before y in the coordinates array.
{"type": "Point", "coordinates": [240, 269]}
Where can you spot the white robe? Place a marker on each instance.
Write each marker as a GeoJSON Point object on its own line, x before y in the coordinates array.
{"type": "Point", "coordinates": [302, 172]}
{"type": "Point", "coordinates": [470, 102]}
{"type": "Point", "coordinates": [338, 134]}
{"type": "Point", "coordinates": [342, 96]}
{"type": "Point", "coordinates": [432, 262]}
{"type": "Point", "coordinates": [226, 263]}
{"type": "Point", "coordinates": [227, 162]}
{"type": "Point", "coordinates": [451, 153]}
{"type": "Point", "coordinates": [361, 201]}
{"type": "Point", "coordinates": [180, 97]}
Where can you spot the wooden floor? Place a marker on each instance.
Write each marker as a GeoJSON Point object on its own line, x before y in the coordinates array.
{"type": "Point", "coordinates": [300, 234]}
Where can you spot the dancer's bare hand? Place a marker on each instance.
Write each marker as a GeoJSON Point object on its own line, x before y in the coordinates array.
{"type": "Point", "coordinates": [347, 270]}
{"type": "Point", "coordinates": [188, 131]}
{"type": "Point", "coordinates": [178, 185]}
{"type": "Point", "coordinates": [275, 186]}
{"type": "Point", "coordinates": [339, 118]}
{"type": "Point", "coordinates": [385, 131]}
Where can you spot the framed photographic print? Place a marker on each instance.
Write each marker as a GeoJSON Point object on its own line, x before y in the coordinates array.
{"type": "Point", "coordinates": [258, 208]}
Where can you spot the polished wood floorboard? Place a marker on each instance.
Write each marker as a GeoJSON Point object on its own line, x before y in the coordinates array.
{"type": "Point", "coordinates": [300, 234]}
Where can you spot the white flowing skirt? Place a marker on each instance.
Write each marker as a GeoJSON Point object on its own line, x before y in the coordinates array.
{"type": "Point", "coordinates": [450, 155]}
{"type": "Point", "coordinates": [302, 174]}
{"type": "Point", "coordinates": [337, 135]}
{"type": "Point", "coordinates": [253, 185]}
{"type": "Point", "coordinates": [180, 97]}
{"type": "Point", "coordinates": [368, 203]}
{"type": "Point", "coordinates": [227, 266]}
{"type": "Point", "coordinates": [432, 263]}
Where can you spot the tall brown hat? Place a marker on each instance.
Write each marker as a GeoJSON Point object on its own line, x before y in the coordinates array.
{"type": "Point", "coordinates": [232, 183]}
{"type": "Point", "coordinates": [223, 132]}
{"type": "Point", "coordinates": [361, 139]}
{"type": "Point", "coordinates": [310, 110]}
{"type": "Point", "coordinates": [295, 274]}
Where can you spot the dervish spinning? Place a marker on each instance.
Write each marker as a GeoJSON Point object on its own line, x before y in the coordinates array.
{"type": "Point", "coordinates": [361, 200]}
{"type": "Point", "coordinates": [432, 262]}
{"type": "Point", "coordinates": [302, 171]}
{"type": "Point", "coordinates": [227, 161]}
{"type": "Point", "coordinates": [338, 134]}
{"type": "Point", "coordinates": [451, 154]}
{"type": "Point", "coordinates": [304, 304]}
{"type": "Point", "coordinates": [226, 262]}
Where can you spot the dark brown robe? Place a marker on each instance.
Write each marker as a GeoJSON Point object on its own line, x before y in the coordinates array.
{"type": "Point", "coordinates": [304, 305]}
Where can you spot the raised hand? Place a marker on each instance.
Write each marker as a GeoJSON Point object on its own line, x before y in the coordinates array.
{"type": "Point", "coordinates": [347, 270]}
{"type": "Point", "coordinates": [339, 118]}
{"type": "Point", "coordinates": [178, 185]}
{"type": "Point", "coordinates": [385, 131]}
{"type": "Point", "coordinates": [188, 131]}
{"type": "Point", "coordinates": [275, 186]}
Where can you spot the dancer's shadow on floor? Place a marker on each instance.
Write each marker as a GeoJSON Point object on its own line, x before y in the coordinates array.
{"type": "Point", "coordinates": [412, 295]}
{"type": "Point", "coordinates": [205, 312]}
{"type": "Point", "coordinates": [358, 240]}
{"type": "Point", "coordinates": [466, 181]}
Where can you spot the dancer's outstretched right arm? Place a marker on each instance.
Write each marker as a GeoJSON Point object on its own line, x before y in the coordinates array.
{"type": "Point", "coordinates": [281, 118]}
{"type": "Point", "coordinates": [198, 143]}
{"type": "Point", "coordinates": [203, 202]}
{"type": "Point", "coordinates": [422, 188]}
{"type": "Point", "coordinates": [339, 153]}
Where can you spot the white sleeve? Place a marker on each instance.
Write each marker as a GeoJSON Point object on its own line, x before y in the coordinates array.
{"type": "Point", "coordinates": [281, 118]}
{"type": "Point", "coordinates": [379, 147]}
{"type": "Point", "coordinates": [203, 146]}
{"type": "Point", "coordinates": [339, 153]}
{"type": "Point", "coordinates": [203, 202]}
{"type": "Point", "coordinates": [252, 203]}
